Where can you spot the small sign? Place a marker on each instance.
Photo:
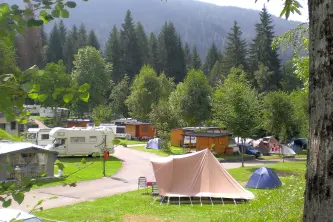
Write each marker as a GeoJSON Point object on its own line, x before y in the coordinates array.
{"type": "Point", "coordinates": [106, 155]}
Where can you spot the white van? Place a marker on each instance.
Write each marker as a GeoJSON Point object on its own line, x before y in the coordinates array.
{"type": "Point", "coordinates": [39, 136]}
{"type": "Point", "coordinates": [81, 141]}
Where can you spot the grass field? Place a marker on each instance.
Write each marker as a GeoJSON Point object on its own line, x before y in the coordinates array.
{"type": "Point", "coordinates": [282, 204]}
{"type": "Point", "coordinates": [174, 150]}
{"type": "Point", "coordinates": [93, 170]}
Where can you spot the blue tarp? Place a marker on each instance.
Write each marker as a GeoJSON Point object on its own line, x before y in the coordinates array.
{"type": "Point", "coordinates": [264, 178]}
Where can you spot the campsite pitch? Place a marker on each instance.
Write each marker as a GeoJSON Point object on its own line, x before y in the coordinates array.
{"type": "Point", "coordinates": [281, 204]}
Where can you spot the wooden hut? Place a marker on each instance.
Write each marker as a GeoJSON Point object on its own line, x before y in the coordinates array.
{"type": "Point", "coordinates": [79, 123]}
{"type": "Point", "coordinates": [206, 140]}
{"type": "Point", "coordinates": [140, 130]}
{"type": "Point", "coordinates": [177, 135]}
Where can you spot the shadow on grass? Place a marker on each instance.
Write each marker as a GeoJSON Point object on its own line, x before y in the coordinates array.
{"type": "Point", "coordinates": [74, 159]}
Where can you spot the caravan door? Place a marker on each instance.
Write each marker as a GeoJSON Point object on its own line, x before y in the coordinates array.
{"type": "Point", "coordinates": [61, 146]}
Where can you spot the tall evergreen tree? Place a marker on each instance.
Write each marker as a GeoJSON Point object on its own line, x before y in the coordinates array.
{"type": "Point", "coordinates": [113, 55]}
{"type": "Point", "coordinates": [130, 47]}
{"type": "Point", "coordinates": [171, 53]}
{"type": "Point", "coordinates": [213, 55]}
{"type": "Point", "coordinates": [235, 52]}
{"type": "Point", "coordinates": [70, 48]}
{"type": "Point", "coordinates": [54, 51]}
{"type": "Point", "coordinates": [196, 61]}
{"type": "Point", "coordinates": [82, 36]}
{"type": "Point", "coordinates": [153, 51]}
{"type": "Point", "coordinates": [93, 41]}
{"type": "Point", "coordinates": [187, 56]}
{"type": "Point", "coordinates": [62, 33]}
{"type": "Point", "coordinates": [261, 51]}
{"type": "Point", "coordinates": [142, 42]}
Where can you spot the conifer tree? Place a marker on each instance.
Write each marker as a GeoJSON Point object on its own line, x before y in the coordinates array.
{"type": "Point", "coordinates": [62, 33]}
{"type": "Point", "coordinates": [70, 48]}
{"type": "Point", "coordinates": [130, 54]}
{"type": "Point", "coordinates": [171, 53]}
{"type": "Point", "coordinates": [82, 36]}
{"type": "Point", "coordinates": [92, 40]}
{"type": "Point", "coordinates": [261, 51]}
{"type": "Point", "coordinates": [54, 50]}
{"type": "Point", "coordinates": [235, 52]}
{"type": "Point", "coordinates": [196, 61]}
{"type": "Point", "coordinates": [213, 55]}
{"type": "Point", "coordinates": [142, 42]}
{"type": "Point", "coordinates": [113, 55]}
{"type": "Point", "coordinates": [43, 36]}
{"type": "Point", "coordinates": [153, 51]}
{"type": "Point", "coordinates": [187, 56]}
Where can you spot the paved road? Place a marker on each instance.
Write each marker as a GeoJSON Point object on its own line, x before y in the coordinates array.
{"type": "Point", "coordinates": [135, 164]}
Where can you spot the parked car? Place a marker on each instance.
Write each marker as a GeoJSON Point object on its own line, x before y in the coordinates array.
{"type": "Point", "coordinates": [302, 142]}
{"type": "Point", "coordinates": [7, 215]}
{"type": "Point", "coordinates": [250, 151]}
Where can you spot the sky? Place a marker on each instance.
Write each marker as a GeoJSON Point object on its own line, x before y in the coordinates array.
{"type": "Point", "coordinates": [274, 6]}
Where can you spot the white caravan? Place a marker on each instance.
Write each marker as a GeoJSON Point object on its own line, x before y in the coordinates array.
{"type": "Point", "coordinates": [81, 141]}
{"type": "Point", "coordinates": [39, 136]}
{"type": "Point", "coordinates": [118, 130]}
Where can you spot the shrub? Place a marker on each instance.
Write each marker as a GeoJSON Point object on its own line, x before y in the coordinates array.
{"type": "Point", "coordinates": [124, 144]}
{"type": "Point", "coordinates": [7, 136]}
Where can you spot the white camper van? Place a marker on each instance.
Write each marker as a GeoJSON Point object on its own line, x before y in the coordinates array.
{"type": "Point", "coordinates": [80, 141]}
{"type": "Point", "coordinates": [39, 136]}
{"type": "Point", "coordinates": [118, 130]}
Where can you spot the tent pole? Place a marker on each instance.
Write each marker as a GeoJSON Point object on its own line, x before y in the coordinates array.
{"type": "Point", "coordinates": [211, 201]}
{"type": "Point", "coordinates": [200, 201]}
{"type": "Point", "coordinates": [179, 200]}
{"type": "Point", "coordinates": [168, 200]}
{"type": "Point", "coordinates": [162, 201]}
{"type": "Point", "coordinates": [222, 200]}
{"type": "Point", "coordinates": [235, 201]}
{"type": "Point", "coordinates": [191, 201]}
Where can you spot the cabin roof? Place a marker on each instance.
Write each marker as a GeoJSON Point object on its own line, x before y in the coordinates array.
{"type": "Point", "coordinates": [194, 128]}
{"type": "Point", "coordinates": [206, 134]}
{"type": "Point", "coordinates": [138, 123]}
{"type": "Point", "coordinates": [11, 147]}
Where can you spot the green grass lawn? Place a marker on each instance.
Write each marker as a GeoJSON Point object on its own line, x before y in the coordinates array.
{"type": "Point", "coordinates": [282, 204]}
{"type": "Point", "coordinates": [93, 170]}
{"type": "Point", "coordinates": [174, 150]}
{"type": "Point", "coordinates": [132, 142]}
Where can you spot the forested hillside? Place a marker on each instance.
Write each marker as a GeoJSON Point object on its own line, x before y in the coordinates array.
{"type": "Point", "coordinates": [197, 22]}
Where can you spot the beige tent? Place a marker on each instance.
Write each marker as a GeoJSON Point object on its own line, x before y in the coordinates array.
{"type": "Point", "coordinates": [197, 174]}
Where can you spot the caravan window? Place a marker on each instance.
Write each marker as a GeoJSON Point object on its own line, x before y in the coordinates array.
{"type": "Point", "coordinates": [78, 139]}
{"type": "Point", "coordinates": [93, 139]}
{"type": "Point", "coordinates": [120, 130]}
{"type": "Point", "coordinates": [45, 136]}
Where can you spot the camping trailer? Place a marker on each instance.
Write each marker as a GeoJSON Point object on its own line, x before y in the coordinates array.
{"type": "Point", "coordinates": [39, 136]}
{"type": "Point", "coordinates": [119, 131]}
{"type": "Point", "coordinates": [81, 141]}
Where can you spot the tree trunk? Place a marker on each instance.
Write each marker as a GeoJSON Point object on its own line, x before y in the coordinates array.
{"type": "Point", "coordinates": [319, 176]}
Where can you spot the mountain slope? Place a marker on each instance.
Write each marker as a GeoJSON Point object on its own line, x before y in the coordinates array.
{"type": "Point", "coordinates": [197, 22]}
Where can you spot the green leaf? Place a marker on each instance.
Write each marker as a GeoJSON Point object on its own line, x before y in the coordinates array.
{"type": "Point", "coordinates": [27, 87]}
{"type": "Point", "coordinates": [42, 97]}
{"type": "Point", "coordinates": [64, 13]}
{"type": "Point", "coordinates": [55, 95]}
{"type": "Point", "coordinates": [33, 95]}
{"type": "Point", "coordinates": [84, 96]}
{"type": "Point", "coordinates": [4, 8]}
{"type": "Point", "coordinates": [36, 88]}
{"type": "Point", "coordinates": [7, 203]}
{"type": "Point", "coordinates": [55, 13]}
{"type": "Point", "coordinates": [18, 197]}
{"type": "Point", "coordinates": [34, 23]}
{"type": "Point", "coordinates": [10, 116]}
{"type": "Point", "coordinates": [84, 161]}
{"type": "Point", "coordinates": [71, 4]}
{"type": "Point", "coordinates": [68, 97]}
{"type": "Point", "coordinates": [60, 166]}
{"type": "Point", "coordinates": [84, 87]}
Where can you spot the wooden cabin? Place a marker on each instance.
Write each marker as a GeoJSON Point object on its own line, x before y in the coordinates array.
{"type": "Point", "coordinates": [206, 140]}
{"type": "Point", "coordinates": [79, 123]}
{"type": "Point", "coordinates": [139, 130]}
{"type": "Point", "coordinates": [177, 135]}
